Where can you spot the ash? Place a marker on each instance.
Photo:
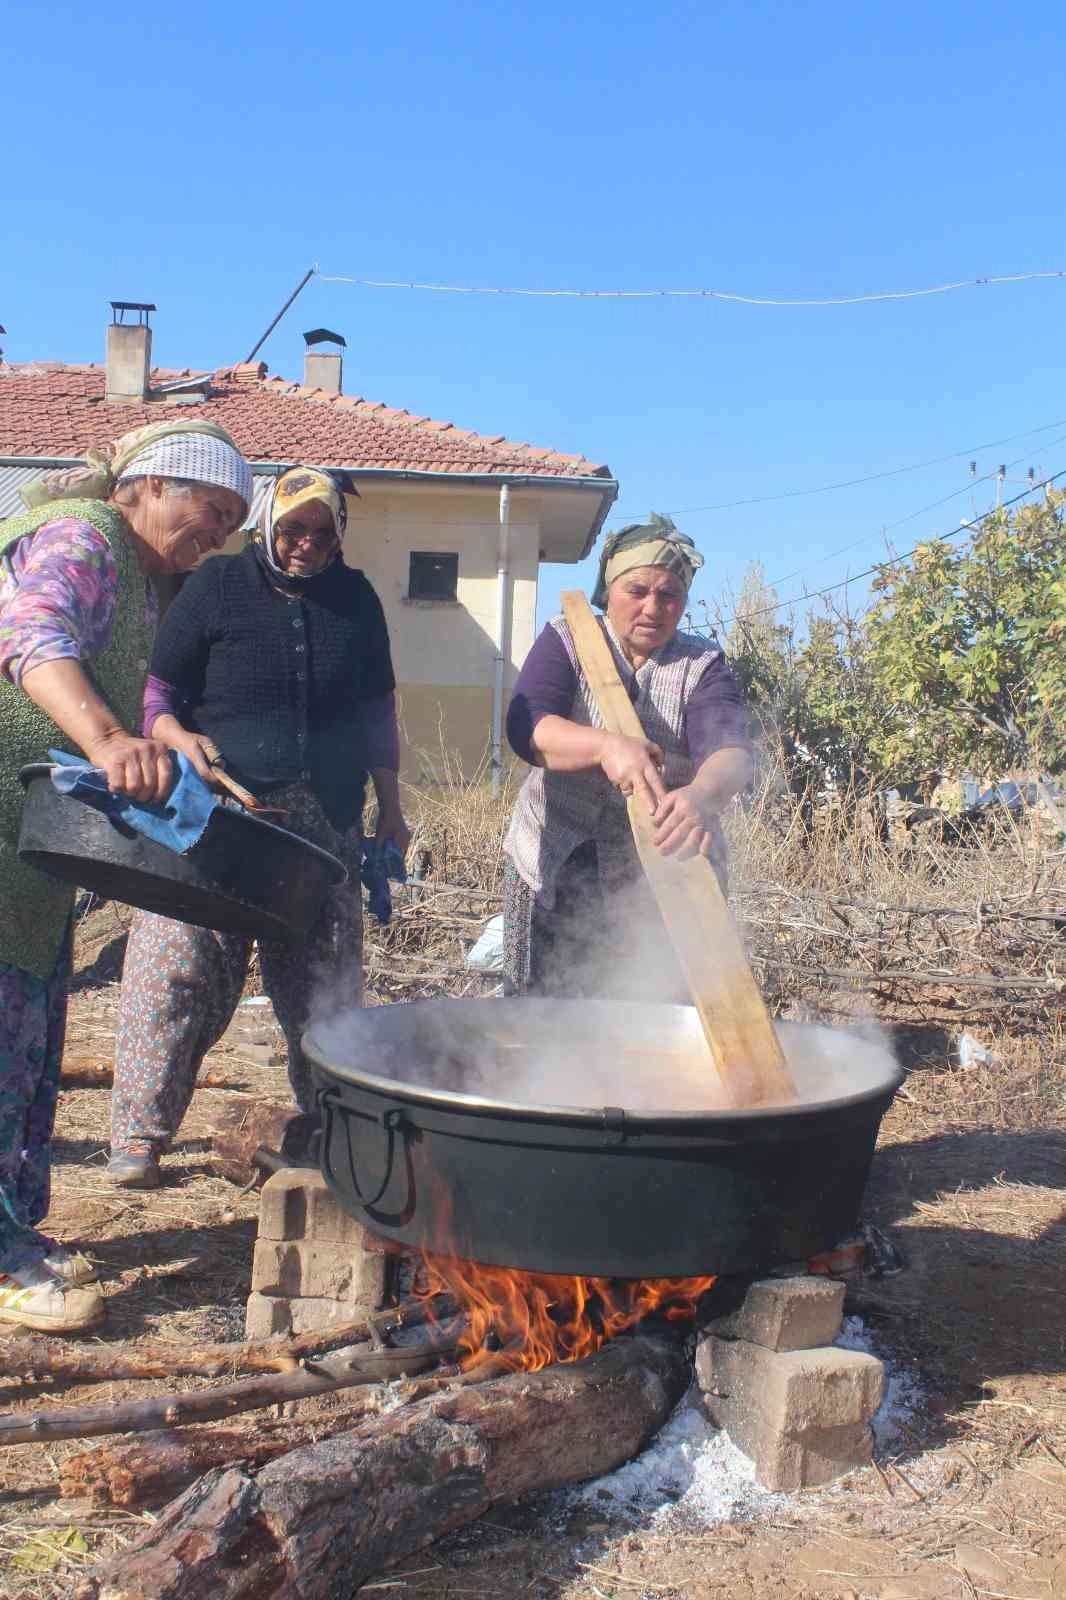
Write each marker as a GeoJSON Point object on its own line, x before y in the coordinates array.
{"type": "Point", "coordinates": [692, 1476]}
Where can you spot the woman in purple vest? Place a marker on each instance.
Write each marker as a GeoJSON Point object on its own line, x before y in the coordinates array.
{"type": "Point", "coordinates": [275, 663]}
{"type": "Point", "coordinates": [578, 916]}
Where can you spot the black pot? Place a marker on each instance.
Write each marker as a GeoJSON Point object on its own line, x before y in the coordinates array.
{"type": "Point", "coordinates": [450, 1164]}
{"type": "Point", "coordinates": [243, 875]}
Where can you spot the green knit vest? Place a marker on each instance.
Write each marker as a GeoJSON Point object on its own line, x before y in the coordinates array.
{"type": "Point", "coordinates": [34, 908]}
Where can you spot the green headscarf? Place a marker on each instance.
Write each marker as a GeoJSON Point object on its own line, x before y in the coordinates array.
{"type": "Point", "coordinates": [656, 543]}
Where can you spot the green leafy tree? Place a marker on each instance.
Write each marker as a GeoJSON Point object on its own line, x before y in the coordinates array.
{"type": "Point", "coordinates": [966, 650]}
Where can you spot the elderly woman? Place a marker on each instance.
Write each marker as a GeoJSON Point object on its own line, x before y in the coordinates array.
{"type": "Point", "coordinates": [578, 918]}
{"type": "Point", "coordinates": [275, 663]}
{"type": "Point", "coordinates": [77, 617]}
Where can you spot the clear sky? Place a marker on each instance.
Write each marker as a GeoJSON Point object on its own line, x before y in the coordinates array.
{"type": "Point", "coordinates": [203, 156]}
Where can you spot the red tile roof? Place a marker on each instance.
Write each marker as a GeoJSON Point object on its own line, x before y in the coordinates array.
{"type": "Point", "coordinates": [49, 409]}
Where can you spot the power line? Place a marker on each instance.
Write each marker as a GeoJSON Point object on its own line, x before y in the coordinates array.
{"type": "Point", "coordinates": [691, 294]}
{"type": "Point", "coordinates": [986, 477]}
{"type": "Point", "coordinates": [855, 577]}
{"type": "Point", "coordinates": [852, 483]}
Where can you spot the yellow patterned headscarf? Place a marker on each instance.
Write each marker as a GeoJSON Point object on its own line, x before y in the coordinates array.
{"type": "Point", "coordinates": [95, 477]}
{"type": "Point", "coordinates": [299, 487]}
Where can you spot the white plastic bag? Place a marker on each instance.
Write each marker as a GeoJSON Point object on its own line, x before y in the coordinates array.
{"type": "Point", "coordinates": [487, 954]}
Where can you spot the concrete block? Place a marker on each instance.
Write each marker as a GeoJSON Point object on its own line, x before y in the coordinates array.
{"type": "Point", "coordinates": [307, 1269]}
{"type": "Point", "coordinates": [296, 1203]}
{"type": "Point", "coordinates": [787, 1462]}
{"type": "Point", "coordinates": [276, 1317]}
{"type": "Point", "coordinates": [789, 1391]}
{"type": "Point", "coordinates": [786, 1314]}
{"type": "Point", "coordinates": [266, 1317]}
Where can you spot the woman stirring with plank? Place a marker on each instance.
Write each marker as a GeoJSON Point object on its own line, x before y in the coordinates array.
{"type": "Point", "coordinates": [77, 617]}
{"type": "Point", "coordinates": [276, 663]}
{"type": "Point", "coordinates": [577, 914]}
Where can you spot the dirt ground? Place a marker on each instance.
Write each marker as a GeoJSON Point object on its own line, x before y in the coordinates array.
{"type": "Point", "coordinates": [969, 1181]}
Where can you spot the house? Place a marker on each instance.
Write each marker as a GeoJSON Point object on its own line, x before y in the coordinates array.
{"type": "Point", "coordinates": [450, 526]}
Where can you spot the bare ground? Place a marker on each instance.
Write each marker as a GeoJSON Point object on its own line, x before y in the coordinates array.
{"type": "Point", "coordinates": [969, 1180]}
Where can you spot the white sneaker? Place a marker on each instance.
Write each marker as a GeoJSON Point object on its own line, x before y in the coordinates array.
{"type": "Point", "coordinates": [33, 1297]}
{"type": "Point", "coordinates": [71, 1266]}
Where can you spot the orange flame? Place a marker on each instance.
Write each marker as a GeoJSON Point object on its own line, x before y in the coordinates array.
{"type": "Point", "coordinates": [531, 1319]}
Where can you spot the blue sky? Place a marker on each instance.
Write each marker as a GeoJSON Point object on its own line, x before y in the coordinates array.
{"type": "Point", "coordinates": [202, 157]}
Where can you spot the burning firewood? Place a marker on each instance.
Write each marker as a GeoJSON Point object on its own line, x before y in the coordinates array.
{"type": "Point", "coordinates": [324, 1518]}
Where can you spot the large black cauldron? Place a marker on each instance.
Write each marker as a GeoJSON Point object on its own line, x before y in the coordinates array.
{"type": "Point", "coordinates": [425, 1141]}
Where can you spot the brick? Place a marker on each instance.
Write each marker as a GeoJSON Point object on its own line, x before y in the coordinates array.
{"type": "Point", "coordinates": [308, 1270]}
{"type": "Point", "coordinates": [275, 1316]}
{"type": "Point", "coordinates": [786, 1314]}
{"type": "Point", "coordinates": [788, 1390]}
{"type": "Point", "coordinates": [786, 1462]}
{"type": "Point", "coordinates": [297, 1203]}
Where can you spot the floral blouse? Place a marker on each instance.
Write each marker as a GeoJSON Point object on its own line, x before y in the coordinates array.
{"type": "Point", "coordinates": [57, 597]}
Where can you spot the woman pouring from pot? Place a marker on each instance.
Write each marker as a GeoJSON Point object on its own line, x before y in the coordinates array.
{"type": "Point", "coordinates": [78, 615]}
{"type": "Point", "coordinates": [578, 918]}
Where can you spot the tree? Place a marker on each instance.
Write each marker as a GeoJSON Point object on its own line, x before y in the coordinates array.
{"type": "Point", "coordinates": [966, 650]}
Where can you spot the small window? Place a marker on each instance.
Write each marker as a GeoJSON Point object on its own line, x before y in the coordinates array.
{"type": "Point", "coordinates": [433, 576]}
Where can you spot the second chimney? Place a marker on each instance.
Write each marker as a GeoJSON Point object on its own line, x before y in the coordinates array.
{"type": "Point", "coordinates": [323, 369]}
{"type": "Point", "coordinates": [129, 354]}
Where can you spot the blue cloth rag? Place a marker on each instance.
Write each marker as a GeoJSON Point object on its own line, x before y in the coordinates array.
{"type": "Point", "coordinates": [178, 824]}
{"type": "Point", "coordinates": [380, 863]}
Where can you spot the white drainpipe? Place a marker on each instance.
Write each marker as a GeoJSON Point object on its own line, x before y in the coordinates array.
{"type": "Point", "coordinates": [503, 634]}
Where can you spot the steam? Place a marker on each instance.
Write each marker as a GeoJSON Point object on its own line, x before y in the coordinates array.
{"type": "Point", "coordinates": [642, 1058]}
{"type": "Point", "coordinates": [628, 1039]}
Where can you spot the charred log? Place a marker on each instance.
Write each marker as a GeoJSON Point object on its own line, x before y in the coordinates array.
{"type": "Point", "coordinates": [323, 1519]}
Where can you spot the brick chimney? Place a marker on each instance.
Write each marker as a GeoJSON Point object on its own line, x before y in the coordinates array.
{"type": "Point", "coordinates": [129, 353]}
{"type": "Point", "coordinates": [323, 369]}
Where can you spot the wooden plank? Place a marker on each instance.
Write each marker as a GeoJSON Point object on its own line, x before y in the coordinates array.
{"type": "Point", "coordinates": [744, 1048]}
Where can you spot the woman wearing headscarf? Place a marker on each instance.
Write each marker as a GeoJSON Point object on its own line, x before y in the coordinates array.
{"type": "Point", "coordinates": [274, 663]}
{"type": "Point", "coordinates": [578, 916]}
{"type": "Point", "coordinates": [78, 613]}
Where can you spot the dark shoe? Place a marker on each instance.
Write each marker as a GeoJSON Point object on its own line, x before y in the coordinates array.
{"type": "Point", "coordinates": [133, 1172]}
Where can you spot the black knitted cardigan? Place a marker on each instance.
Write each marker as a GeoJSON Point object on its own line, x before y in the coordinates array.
{"type": "Point", "coordinates": [279, 681]}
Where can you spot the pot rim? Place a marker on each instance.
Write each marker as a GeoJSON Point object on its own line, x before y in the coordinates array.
{"type": "Point", "coordinates": [598, 1117]}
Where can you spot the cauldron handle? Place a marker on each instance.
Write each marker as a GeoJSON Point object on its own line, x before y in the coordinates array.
{"type": "Point", "coordinates": [392, 1120]}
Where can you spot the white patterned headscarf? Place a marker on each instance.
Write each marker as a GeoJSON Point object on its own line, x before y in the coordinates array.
{"type": "Point", "coordinates": [196, 457]}
{"type": "Point", "coordinates": [199, 452]}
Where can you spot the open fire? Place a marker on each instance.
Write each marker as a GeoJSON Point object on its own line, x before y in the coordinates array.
{"type": "Point", "coordinates": [523, 1321]}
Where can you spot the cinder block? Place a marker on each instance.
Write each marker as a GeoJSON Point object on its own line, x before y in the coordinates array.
{"type": "Point", "coordinates": [786, 1314]}
{"type": "Point", "coordinates": [310, 1270]}
{"type": "Point", "coordinates": [276, 1316]}
{"type": "Point", "coordinates": [786, 1462]}
{"type": "Point", "coordinates": [296, 1203]}
{"type": "Point", "coordinates": [266, 1317]}
{"type": "Point", "coordinates": [787, 1391]}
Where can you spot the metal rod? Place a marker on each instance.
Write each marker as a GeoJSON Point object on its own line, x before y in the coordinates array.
{"type": "Point", "coordinates": [304, 281]}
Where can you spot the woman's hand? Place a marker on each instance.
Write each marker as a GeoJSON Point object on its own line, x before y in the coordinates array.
{"type": "Point", "coordinates": [393, 826]}
{"type": "Point", "coordinates": [683, 823]}
{"type": "Point", "coordinates": [141, 768]}
{"type": "Point", "coordinates": [632, 765]}
{"type": "Point", "coordinates": [201, 751]}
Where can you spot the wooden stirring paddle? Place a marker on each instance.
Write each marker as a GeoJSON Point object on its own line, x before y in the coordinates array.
{"type": "Point", "coordinates": [744, 1048]}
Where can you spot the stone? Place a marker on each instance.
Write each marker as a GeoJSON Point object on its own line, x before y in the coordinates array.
{"type": "Point", "coordinates": [275, 1316]}
{"type": "Point", "coordinates": [297, 1203]}
{"type": "Point", "coordinates": [786, 1314]}
{"type": "Point", "coordinates": [309, 1270]}
{"type": "Point", "coordinates": [788, 1390]}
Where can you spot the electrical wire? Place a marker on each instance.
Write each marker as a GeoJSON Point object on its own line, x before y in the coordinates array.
{"type": "Point", "coordinates": [691, 294]}
{"type": "Point", "coordinates": [987, 477]}
{"type": "Point", "coordinates": [816, 594]}
{"type": "Point", "coordinates": [852, 483]}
